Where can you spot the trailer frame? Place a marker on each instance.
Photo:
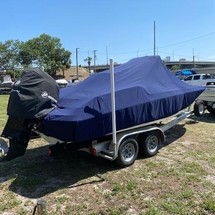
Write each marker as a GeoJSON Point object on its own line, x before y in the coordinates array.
{"type": "Point", "coordinates": [155, 132]}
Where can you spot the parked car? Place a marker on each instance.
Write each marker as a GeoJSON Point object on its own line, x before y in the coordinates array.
{"type": "Point", "coordinates": [62, 82]}
{"type": "Point", "coordinates": [6, 84]}
{"type": "Point", "coordinates": [200, 79]}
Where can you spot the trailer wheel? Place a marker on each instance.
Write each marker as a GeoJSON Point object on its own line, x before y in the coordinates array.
{"type": "Point", "coordinates": [199, 108]}
{"type": "Point", "coordinates": [149, 144]}
{"type": "Point", "coordinates": [127, 153]}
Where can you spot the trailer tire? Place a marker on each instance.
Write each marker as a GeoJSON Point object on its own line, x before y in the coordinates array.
{"type": "Point", "coordinates": [127, 153]}
{"type": "Point", "coordinates": [149, 143]}
{"type": "Point", "coordinates": [199, 108]}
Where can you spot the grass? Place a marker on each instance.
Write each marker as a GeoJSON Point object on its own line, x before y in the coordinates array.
{"type": "Point", "coordinates": [3, 110]}
{"type": "Point", "coordinates": [179, 180]}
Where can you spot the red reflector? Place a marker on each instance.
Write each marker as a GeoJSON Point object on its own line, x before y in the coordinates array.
{"type": "Point", "coordinates": [92, 151]}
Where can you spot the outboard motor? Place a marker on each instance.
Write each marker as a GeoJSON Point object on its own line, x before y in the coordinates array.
{"type": "Point", "coordinates": [32, 97]}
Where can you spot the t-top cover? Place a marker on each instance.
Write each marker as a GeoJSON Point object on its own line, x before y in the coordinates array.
{"type": "Point", "coordinates": [145, 90]}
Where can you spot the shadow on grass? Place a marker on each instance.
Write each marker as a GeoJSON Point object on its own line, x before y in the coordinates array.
{"type": "Point", "coordinates": [173, 134]}
{"type": "Point", "coordinates": [179, 130]}
{"type": "Point", "coordinates": [206, 117]}
{"type": "Point", "coordinates": [35, 174]}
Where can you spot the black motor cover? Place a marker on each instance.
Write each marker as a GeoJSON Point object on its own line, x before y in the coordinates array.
{"type": "Point", "coordinates": [33, 95]}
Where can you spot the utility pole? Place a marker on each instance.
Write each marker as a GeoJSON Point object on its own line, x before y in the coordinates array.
{"type": "Point", "coordinates": [107, 54]}
{"type": "Point", "coordinates": [193, 59]}
{"type": "Point", "coordinates": [94, 56]}
{"type": "Point", "coordinates": [154, 39]}
{"type": "Point", "coordinates": [77, 63]}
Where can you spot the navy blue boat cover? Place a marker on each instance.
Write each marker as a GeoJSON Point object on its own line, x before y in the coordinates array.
{"type": "Point", "coordinates": [145, 91]}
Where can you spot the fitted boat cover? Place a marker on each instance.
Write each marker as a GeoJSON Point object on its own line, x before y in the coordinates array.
{"type": "Point", "coordinates": [33, 95]}
{"type": "Point", "coordinates": [145, 91]}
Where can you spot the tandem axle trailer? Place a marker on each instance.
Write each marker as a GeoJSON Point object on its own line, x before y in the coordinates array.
{"type": "Point", "coordinates": [144, 139]}
{"type": "Point", "coordinates": [124, 146]}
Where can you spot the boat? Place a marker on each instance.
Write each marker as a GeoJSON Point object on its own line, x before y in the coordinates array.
{"type": "Point", "coordinates": [112, 114]}
{"type": "Point", "coordinates": [145, 91]}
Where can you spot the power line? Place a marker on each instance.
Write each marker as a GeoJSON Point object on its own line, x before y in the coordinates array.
{"type": "Point", "coordinates": [147, 51]}
{"type": "Point", "coordinates": [188, 40]}
{"type": "Point", "coordinates": [164, 46]}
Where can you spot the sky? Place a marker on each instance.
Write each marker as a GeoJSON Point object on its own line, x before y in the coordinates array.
{"type": "Point", "coordinates": [116, 29]}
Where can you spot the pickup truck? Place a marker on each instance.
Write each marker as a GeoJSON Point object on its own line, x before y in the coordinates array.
{"type": "Point", "coordinates": [200, 79]}
{"type": "Point", "coordinates": [6, 84]}
{"type": "Point", "coordinates": [206, 101]}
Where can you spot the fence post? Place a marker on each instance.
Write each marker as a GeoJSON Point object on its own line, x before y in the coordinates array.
{"type": "Point", "coordinates": [41, 207]}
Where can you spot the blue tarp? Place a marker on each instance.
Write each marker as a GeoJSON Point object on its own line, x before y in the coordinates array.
{"type": "Point", "coordinates": [145, 91]}
{"type": "Point", "coordinates": [184, 73]}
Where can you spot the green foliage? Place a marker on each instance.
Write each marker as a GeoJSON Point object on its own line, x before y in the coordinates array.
{"type": "Point", "coordinates": [209, 204]}
{"type": "Point", "coordinates": [152, 211]}
{"type": "Point", "coordinates": [26, 54]}
{"type": "Point", "coordinates": [175, 67]}
{"type": "Point", "coordinates": [193, 168]}
{"type": "Point", "coordinates": [43, 51]}
{"type": "Point", "coordinates": [115, 211]}
{"type": "Point", "coordinates": [14, 73]}
{"type": "Point", "coordinates": [131, 185]}
{"type": "Point", "coordinates": [88, 60]}
{"type": "Point", "coordinates": [9, 54]}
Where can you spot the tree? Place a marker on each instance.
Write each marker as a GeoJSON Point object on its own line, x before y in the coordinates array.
{"type": "Point", "coordinates": [26, 54]}
{"type": "Point", "coordinates": [88, 60]}
{"type": "Point", "coordinates": [175, 67]}
{"type": "Point", "coordinates": [9, 54]}
{"type": "Point", "coordinates": [45, 51]}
